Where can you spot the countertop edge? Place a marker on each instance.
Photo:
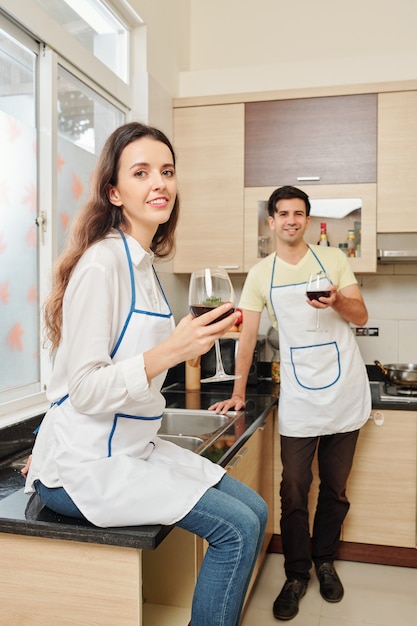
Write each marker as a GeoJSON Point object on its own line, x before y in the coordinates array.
{"type": "Point", "coordinates": [16, 521]}
{"type": "Point", "coordinates": [234, 449]}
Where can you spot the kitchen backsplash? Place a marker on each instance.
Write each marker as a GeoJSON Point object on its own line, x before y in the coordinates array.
{"type": "Point", "coordinates": [392, 306]}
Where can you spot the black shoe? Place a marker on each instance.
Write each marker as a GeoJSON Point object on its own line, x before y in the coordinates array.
{"type": "Point", "coordinates": [331, 587]}
{"type": "Point", "coordinates": [286, 604]}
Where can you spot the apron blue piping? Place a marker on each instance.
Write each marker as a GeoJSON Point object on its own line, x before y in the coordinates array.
{"type": "Point", "coordinates": [152, 313]}
{"type": "Point", "coordinates": [291, 349]}
{"type": "Point", "coordinates": [132, 308]}
{"type": "Point", "coordinates": [319, 262]}
{"type": "Point", "coordinates": [131, 417]}
{"type": "Point", "coordinates": [272, 286]}
{"type": "Point", "coordinates": [329, 343]}
{"type": "Point", "coordinates": [59, 402]}
{"type": "Point", "coordinates": [133, 299]}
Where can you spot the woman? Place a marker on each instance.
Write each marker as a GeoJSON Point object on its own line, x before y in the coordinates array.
{"type": "Point", "coordinates": [97, 454]}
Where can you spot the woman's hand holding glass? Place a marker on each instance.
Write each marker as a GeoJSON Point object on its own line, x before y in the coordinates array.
{"type": "Point", "coordinates": [192, 337]}
{"type": "Point", "coordinates": [209, 289]}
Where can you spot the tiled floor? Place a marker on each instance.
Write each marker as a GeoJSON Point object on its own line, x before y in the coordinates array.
{"type": "Point", "coordinates": [375, 595]}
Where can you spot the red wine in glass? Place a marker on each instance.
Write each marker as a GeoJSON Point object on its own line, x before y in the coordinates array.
{"type": "Point", "coordinates": [318, 286]}
{"type": "Point", "coordinates": [209, 288]}
{"type": "Point", "coordinates": [315, 295]}
{"type": "Point", "coordinates": [200, 309]}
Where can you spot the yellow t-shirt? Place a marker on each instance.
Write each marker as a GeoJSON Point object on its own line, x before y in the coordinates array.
{"type": "Point", "coordinates": [257, 288]}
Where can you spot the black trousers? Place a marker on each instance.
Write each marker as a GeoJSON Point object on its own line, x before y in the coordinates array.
{"type": "Point", "coordinates": [335, 457]}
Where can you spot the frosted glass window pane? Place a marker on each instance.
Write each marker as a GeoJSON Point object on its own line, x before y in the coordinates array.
{"type": "Point", "coordinates": [85, 120]}
{"type": "Point", "coordinates": [19, 298]}
{"type": "Point", "coordinates": [17, 85]}
{"type": "Point", "coordinates": [96, 28]}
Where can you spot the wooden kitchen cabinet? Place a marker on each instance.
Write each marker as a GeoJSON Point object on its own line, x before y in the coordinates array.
{"type": "Point", "coordinates": [219, 218]}
{"type": "Point", "coordinates": [308, 141]}
{"type": "Point", "coordinates": [52, 581]}
{"type": "Point", "coordinates": [253, 465]}
{"type": "Point", "coordinates": [397, 159]}
{"type": "Point", "coordinates": [382, 486]}
{"type": "Point", "coordinates": [209, 143]}
{"type": "Point", "coordinates": [169, 576]}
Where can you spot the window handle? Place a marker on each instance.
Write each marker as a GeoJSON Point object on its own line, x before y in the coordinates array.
{"type": "Point", "coordinates": [40, 222]}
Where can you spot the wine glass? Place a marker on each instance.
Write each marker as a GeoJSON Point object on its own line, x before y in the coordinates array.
{"type": "Point", "coordinates": [209, 288]}
{"type": "Point", "coordinates": [318, 285]}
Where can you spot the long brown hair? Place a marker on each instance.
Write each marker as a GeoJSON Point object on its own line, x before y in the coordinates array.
{"type": "Point", "coordinates": [99, 216]}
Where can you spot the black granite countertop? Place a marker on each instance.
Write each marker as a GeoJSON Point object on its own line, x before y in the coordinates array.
{"type": "Point", "coordinates": [25, 515]}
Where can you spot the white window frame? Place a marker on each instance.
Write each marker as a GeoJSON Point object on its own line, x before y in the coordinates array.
{"type": "Point", "coordinates": [38, 23]}
{"type": "Point", "coordinates": [57, 49]}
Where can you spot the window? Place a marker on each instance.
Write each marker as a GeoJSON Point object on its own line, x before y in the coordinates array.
{"type": "Point", "coordinates": [54, 121]}
{"type": "Point", "coordinates": [84, 120]}
{"type": "Point", "coordinates": [96, 28]}
{"type": "Point", "coordinates": [19, 336]}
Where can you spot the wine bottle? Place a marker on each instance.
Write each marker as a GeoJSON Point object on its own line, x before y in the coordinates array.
{"type": "Point", "coordinates": [323, 241]}
{"type": "Point", "coordinates": [351, 243]}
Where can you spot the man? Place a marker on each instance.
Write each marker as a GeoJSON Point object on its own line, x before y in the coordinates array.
{"type": "Point", "coordinates": [324, 393]}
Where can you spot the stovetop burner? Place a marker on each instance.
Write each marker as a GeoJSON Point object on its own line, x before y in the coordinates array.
{"type": "Point", "coordinates": [406, 391]}
{"type": "Point", "coordinates": [400, 390]}
{"type": "Point", "coordinates": [397, 393]}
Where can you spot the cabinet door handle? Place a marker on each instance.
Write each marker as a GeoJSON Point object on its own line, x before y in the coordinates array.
{"type": "Point", "coordinates": [307, 178]}
{"type": "Point", "coordinates": [228, 267]}
{"type": "Point", "coordinates": [233, 462]}
{"type": "Point", "coordinates": [237, 458]}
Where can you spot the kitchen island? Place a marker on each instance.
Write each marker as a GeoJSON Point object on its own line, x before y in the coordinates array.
{"type": "Point", "coordinates": [60, 570]}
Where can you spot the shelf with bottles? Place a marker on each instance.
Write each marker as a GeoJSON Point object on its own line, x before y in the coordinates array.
{"type": "Point", "coordinates": [338, 233]}
{"type": "Point", "coordinates": [330, 204]}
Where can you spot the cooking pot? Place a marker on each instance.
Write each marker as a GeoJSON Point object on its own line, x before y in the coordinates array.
{"type": "Point", "coordinates": [404, 374]}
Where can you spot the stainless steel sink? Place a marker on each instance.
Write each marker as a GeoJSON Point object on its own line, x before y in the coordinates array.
{"type": "Point", "coordinates": [190, 443]}
{"type": "Point", "coordinates": [194, 422]}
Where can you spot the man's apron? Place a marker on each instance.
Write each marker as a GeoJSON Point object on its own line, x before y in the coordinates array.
{"type": "Point", "coordinates": [324, 385]}
{"type": "Point", "coordinates": [114, 467]}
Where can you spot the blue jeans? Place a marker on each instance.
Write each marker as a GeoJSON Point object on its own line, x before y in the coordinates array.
{"type": "Point", "coordinates": [232, 518]}
{"type": "Point", "coordinates": [57, 500]}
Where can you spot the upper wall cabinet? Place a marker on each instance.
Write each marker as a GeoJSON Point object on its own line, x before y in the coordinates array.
{"type": "Point", "coordinates": [209, 142]}
{"type": "Point", "coordinates": [307, 141]}
{"type": "Point", "coordinates": [397, 162]}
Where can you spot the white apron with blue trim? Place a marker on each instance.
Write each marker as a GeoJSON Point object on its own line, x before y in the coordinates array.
{"type": "Point", "coordinates": [324, 386]}
{"type": "Point", "coordinates": [114, 466]}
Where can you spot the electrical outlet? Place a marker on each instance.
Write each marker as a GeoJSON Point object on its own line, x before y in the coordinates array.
{"type": "Point", "coordinates": [367, 332]}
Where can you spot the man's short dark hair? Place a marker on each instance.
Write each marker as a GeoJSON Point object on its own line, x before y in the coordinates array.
{"type": "Point", "coordinates": [285, 193]}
